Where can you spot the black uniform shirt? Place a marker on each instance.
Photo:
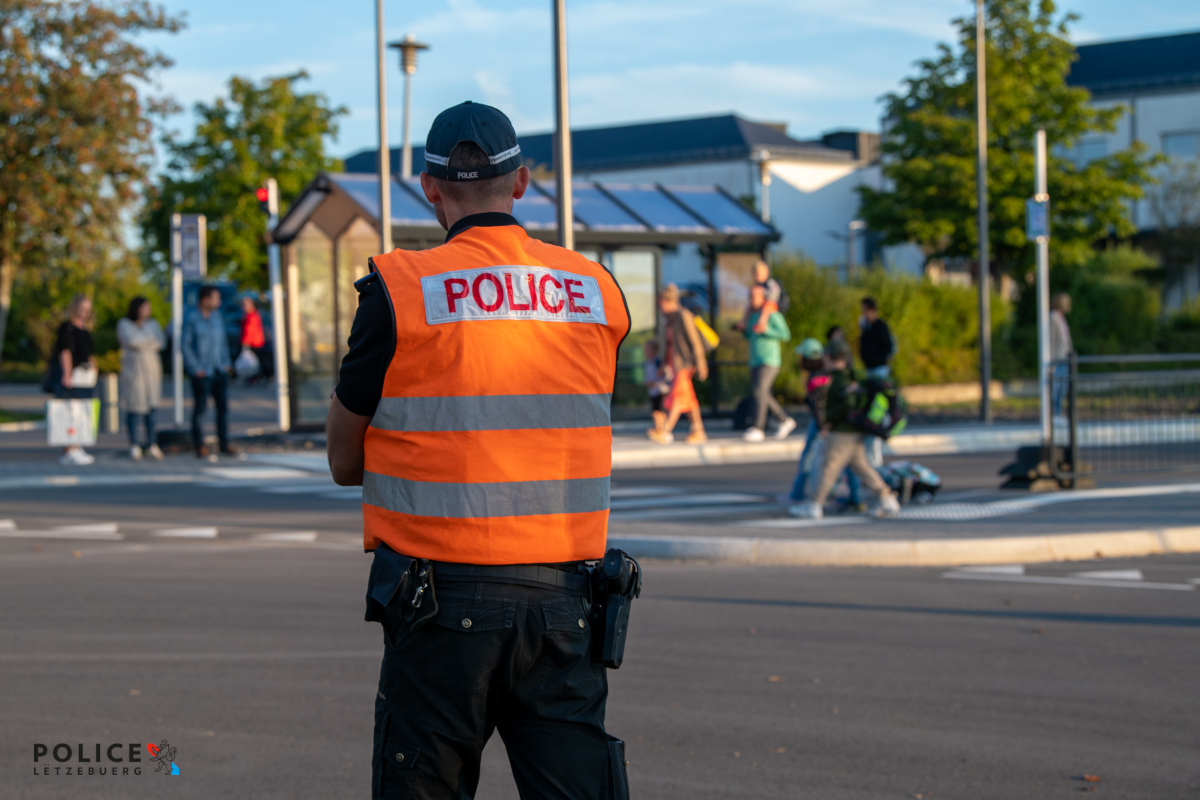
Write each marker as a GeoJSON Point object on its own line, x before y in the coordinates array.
{"type": "Point", "coordinates": [373, 334]}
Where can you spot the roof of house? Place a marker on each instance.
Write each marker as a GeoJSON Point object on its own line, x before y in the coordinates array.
{"type": "Point", "coordinates": [606, 214]}
{"type": "Point", "coordinates": [1151, 64]}
{"type": "Point", "coordinates": [724, 138]}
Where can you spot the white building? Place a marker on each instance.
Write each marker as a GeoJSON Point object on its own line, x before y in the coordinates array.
{"type": "Point", "coordinates": [1157, 81]}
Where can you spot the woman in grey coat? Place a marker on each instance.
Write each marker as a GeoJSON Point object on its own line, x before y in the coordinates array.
{"type": "Point", "coordinates": [141, 341]}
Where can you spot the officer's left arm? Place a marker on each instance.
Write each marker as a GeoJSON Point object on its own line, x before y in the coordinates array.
{"type": "Point", "coordinates": [344, 432]}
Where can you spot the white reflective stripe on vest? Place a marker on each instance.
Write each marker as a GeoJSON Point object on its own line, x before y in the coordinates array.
{"type": "Point", "coordinates": [508, 412]}
{"type": "Point", "coordinates": [475, 500]}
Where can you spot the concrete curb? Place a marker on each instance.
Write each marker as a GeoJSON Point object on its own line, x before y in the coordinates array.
{"type": "Point", "coordinates": [914, 552]}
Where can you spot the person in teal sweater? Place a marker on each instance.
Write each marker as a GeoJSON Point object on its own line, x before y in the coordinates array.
{"type": "Point", "coordinates": [766, 358]}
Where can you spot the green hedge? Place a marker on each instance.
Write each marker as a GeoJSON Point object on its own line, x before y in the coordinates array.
{"type": "Point", "coordinates": [936, 326]}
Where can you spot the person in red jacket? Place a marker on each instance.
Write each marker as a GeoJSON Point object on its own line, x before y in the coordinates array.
{"type": "Point", "coordinates": [254, 338]}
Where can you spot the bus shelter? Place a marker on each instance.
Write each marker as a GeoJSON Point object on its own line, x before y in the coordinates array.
{"type": "Point", "coordinates": [332, 229]}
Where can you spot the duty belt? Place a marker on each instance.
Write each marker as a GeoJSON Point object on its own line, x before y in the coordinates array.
{"type": "Point", "coordinates": [563, 578]}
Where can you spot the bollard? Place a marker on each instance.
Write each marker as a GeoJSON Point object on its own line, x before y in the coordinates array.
{"type": "Point", "coordinates": [110, 407]}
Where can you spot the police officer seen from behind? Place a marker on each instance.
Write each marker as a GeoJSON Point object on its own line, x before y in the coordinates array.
{"type": "Point", "coordinates": [473, 407]}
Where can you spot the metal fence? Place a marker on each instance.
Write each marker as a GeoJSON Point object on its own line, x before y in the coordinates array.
{"type": "Point", "coordinates": [1124, 414]}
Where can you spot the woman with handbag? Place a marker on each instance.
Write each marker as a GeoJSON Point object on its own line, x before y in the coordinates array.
{"type": "Point", "coordinates": [685, 358]}
{"type": "Point", "coordinates": [141, 341]}
{"type": "Point", "coordinates": [76, 365]}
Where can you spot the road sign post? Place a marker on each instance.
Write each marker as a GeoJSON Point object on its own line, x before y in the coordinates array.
{"type": "Point", "coordinates": [189, 261]}
{"type": "Point", "coordinates": [1037, 229]}
{"type": "Point", "coordinates": [278, 326]}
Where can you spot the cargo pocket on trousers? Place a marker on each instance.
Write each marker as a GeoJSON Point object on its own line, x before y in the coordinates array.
{"type": "Point", "coordinates": [394, 761]}
{"type": "Point", "coordinates": [618, 781]}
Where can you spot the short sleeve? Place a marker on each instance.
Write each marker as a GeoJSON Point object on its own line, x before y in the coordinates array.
{"type": "Point", "coordinates": [371, 347]}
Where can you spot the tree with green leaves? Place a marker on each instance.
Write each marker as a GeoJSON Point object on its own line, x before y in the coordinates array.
{"type": "Point", "coordinates": [75, 143]}
{"type": "Point", "coordinates": [260, 131]}
{"type": "Point", "coordinates": [929, 147]}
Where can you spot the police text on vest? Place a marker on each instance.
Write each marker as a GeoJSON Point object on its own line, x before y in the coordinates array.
{"type": "Point", "coordinates": [512, 292]}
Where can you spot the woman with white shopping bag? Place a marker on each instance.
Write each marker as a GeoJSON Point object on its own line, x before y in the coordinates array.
{"type": "Point", "coordinates": [141, 341]}
{"type": "Point", "coordinates": [77, 373]}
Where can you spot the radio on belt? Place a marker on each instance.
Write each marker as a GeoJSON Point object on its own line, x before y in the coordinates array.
{"type": "Point", "coordinates": [616, 580]}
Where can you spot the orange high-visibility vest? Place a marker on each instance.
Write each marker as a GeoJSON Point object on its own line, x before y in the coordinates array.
{"type": "Point", "coordinates": [492, 443]}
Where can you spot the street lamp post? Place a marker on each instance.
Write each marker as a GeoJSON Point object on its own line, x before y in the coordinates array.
{"type": "Point", "coordinates": [853, 228]}
{"type": "Point", "coordinates": [385, 177]}
{"type": "Point", "coordinates": [1037, 228]}
{"type": "Point", "coordinates": [562, 132]}
{"type": "Point", "coordinates": [763, 159]}
{"type": "Point", "coordinates": [985, 271]}
{"type": "Point", "coordinates": [408, 47]}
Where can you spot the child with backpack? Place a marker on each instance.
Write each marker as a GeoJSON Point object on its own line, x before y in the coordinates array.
{"type": "Point", "coordinates": [844, 443]}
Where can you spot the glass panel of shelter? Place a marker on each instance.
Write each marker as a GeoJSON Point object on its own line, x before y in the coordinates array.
{"type": "Point", "coordinates": [313, 336]}
{"type": "Point", "coordinates": [636, 272]}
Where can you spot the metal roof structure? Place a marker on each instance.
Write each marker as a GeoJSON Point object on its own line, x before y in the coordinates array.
{"type": "Point", "coordinates": [722, 138]}
{"type": "Point", "coordinates": [606, 214]}
{"type": "Point", "coordinates": [1152, 64]}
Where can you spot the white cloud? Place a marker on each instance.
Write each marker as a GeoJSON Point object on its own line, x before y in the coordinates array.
{"type": "Point", "coordinates": [765, 91]}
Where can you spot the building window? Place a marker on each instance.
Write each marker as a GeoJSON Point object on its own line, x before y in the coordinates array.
{"type": "Point", "coordinates": [1181, 145]}
{"type": "Point", "coordinates": [1087, 151]}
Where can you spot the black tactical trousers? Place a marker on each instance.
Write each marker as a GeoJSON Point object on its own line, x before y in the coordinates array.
{"type": "Point", "coordinates": [496, 656]}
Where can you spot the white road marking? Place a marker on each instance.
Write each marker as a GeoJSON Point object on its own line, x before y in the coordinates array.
{"type": "Point", "coordinates": [7, 525]}
{"type": "Point", "coordinates": [186, 533]}
{"type": "Point", "coordinates": [256, 473]}
{"type": "Point", "coordinates": [675, 513]}
{"type": "Point", "coordinates": [1112, 575]}
{"type": "Point", "coordinates": [792, 522]}
{"type": "Point", "coordinates": [344, 493]}
{"type": "Point", "coordinates": [301, 488]}
{"type": "Point", "coordinates": [95, 527]}
{"type": "Point", "coordinates": [644, 491]}
{"type": "Point", "coordinates": [996, 569]}
{"type": "Point", "coordinates": [964, 512]}
{"type": "Point", "coordinates": [292, 536]}
{"type": "Point", "coordinates": [18, 534]}
{"type": "Point", "coordinates": [1048, 579]}
{"type": "Point", "coordinates": [716, 498]}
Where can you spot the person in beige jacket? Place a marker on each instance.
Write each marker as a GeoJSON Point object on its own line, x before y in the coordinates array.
{"type": "Point", "coordinates": [141, 341]}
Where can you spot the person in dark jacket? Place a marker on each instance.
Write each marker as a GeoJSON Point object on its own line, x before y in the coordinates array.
{"type": "Point", "coordinates": [844, 445]}
{"type": "Point", "coordinates": [875, 346]}
{"type": "Point", "coordinates": [813, 361]}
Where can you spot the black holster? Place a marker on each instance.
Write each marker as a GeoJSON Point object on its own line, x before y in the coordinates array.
{"type": "Point", "coordinates": [616, 581]}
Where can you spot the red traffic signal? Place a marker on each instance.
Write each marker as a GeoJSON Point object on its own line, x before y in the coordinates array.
{"type": "Point", "coordinates": [264, 196]}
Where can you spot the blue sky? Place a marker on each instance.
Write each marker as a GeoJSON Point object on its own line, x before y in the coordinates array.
{"type": "Point", "coordinates": [815, 64]}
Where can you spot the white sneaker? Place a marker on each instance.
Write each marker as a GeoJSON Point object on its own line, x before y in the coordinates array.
{"type": "Point", "coordinates": [135, 452]}
{"type": "Point", "coordinates": [809, 509]}
{"type": "Point", "coordinates": [888, 506]}
{"type": "Point", "coordinates": [76, 457]}
{"type": "Point", "coordinates": [785, 428]}
{"type": "Point", "coordinates": [753, 435]}
{"type": "Point", "coordinates": [154, 452]}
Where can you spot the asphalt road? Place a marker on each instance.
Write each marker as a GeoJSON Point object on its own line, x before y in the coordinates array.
{"type": "Point", "coordinates": [253, 661]}
{"type": "Point", "coordinates": [256, 497]}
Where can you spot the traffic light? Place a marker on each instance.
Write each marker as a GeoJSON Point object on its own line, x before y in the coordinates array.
{"type": "Point", "coordinates": [264, 199]}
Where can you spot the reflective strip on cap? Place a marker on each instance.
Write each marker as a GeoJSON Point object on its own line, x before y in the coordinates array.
{"type": "Point", "coordinates": [509, 153]}
{"type": "Point", "coordinates": [483, 500]}
{"type": "Point", "coordinates": [432, 159]}
{"type": "Point", "coordinates": [493, 413]}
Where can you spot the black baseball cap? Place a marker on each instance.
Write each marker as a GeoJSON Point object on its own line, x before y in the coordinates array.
{"type": "Point", "coordinates": [472, 122]}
